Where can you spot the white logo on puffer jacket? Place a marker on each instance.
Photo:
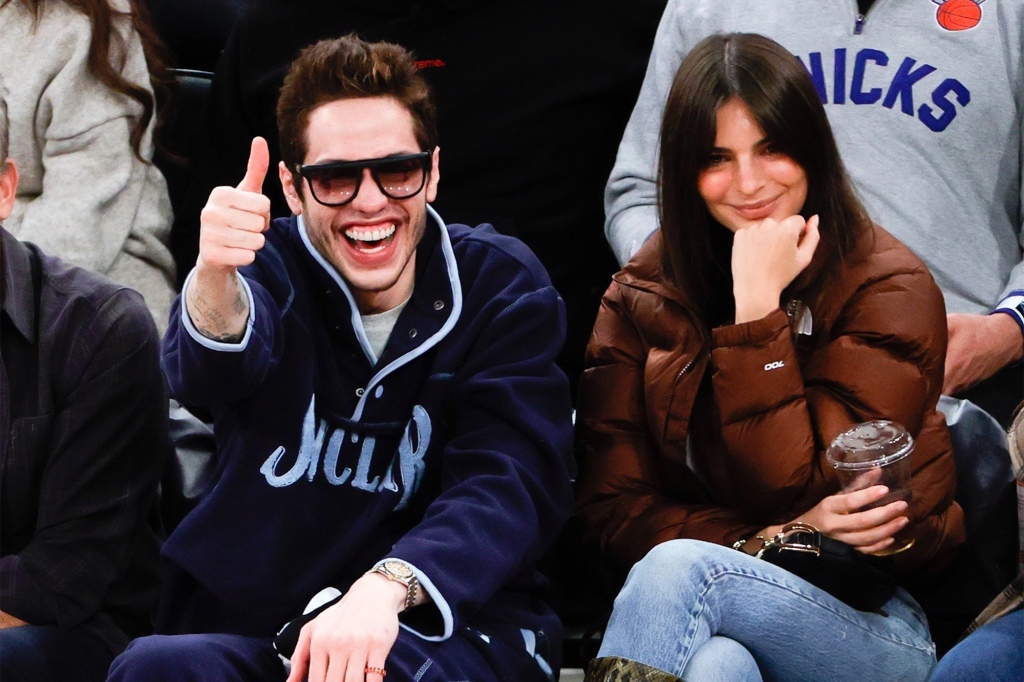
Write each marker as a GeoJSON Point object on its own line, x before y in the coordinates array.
{"type": "Point", "coordinates": [774, 365]}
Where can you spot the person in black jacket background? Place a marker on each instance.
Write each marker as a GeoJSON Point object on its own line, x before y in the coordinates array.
{"type": "Point", "coordinates": [83, 433]}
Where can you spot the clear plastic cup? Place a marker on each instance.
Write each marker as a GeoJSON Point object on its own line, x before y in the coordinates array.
{"type": "Point", "coordinates": [876, 453]}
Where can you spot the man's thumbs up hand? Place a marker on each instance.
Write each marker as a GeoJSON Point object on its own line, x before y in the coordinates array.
{"type": "Point", "coordinates": [233, 221]}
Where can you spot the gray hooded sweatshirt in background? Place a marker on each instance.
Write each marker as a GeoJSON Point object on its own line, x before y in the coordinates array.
{"type": "Point", "coordinates": [928, 121]}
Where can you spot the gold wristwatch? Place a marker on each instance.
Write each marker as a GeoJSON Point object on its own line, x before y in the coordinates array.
{"type": "Point", "coordinates": [401, 573]}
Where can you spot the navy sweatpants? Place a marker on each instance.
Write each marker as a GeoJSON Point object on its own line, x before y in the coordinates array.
{"type": "Point", "coordinates": [236, 658]}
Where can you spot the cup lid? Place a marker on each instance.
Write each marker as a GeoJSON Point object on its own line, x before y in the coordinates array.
{"type": "Point", "coordinates": [870, 444]}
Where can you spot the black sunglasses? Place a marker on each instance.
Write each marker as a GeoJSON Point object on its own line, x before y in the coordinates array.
{"type": "Point", "coordinates": [337, 183]}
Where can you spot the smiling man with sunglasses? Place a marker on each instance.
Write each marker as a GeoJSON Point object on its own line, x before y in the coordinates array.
{"type": "Point", "coordinates": [393, 433]}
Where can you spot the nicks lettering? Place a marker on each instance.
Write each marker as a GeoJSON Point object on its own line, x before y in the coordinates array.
{"type": "Point", "coordinates": [408, 458]}
{"type": "Point", "coordinates": [871, 77]}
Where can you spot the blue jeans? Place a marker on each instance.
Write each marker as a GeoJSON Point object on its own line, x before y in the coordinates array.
{"type": "Point", "coordinates": [994, 653]}
{"type": "Point", "coordinates": [706, 612]}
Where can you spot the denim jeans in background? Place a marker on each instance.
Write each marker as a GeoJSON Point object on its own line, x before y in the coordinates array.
{"type": "Point", "coordinates": [691, 608]}
{"type": "Point", "coordinates": [993, 653]}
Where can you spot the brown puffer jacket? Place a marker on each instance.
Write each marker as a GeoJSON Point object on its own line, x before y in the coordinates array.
{"type": "Point", "coordinates": [760, 405]}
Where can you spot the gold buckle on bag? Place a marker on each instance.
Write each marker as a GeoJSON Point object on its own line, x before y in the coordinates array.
{"type": "Point", "coordinates": [785, 540]}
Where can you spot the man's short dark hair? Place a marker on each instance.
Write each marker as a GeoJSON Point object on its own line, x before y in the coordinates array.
{"type": "Point", "coordinates": [347, 68]}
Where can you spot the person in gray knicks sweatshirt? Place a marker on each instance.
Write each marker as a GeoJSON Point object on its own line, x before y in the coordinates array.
{"type": "Point", "coordinates": [926, 100]}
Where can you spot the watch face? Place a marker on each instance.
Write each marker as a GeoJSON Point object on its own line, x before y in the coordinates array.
{"type": "Point", "coordinates": [399, 569]}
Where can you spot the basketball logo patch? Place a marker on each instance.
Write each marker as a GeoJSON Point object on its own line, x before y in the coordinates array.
{"type": "Point", "coordinates": [958, 15]}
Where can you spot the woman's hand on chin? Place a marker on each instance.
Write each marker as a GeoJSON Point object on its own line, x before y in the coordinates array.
{"type": "Point", "coordinates": [766, 257]}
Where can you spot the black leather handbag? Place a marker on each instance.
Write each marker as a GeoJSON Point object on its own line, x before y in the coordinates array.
{"type": "Point", "coordinates": [862, 581]}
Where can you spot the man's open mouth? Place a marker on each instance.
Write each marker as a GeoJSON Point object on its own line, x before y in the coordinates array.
{"type": "Point", "coordinates": [369, 241]}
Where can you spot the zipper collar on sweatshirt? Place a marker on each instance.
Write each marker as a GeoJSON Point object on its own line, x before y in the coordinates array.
{"type": "Point", "coordinates": [454, 283]}
{"type": "Point", "coordinates": [861, 16]}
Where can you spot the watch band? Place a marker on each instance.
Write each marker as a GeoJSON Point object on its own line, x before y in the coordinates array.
{"type": "Point", "coordinates": [402, 573]}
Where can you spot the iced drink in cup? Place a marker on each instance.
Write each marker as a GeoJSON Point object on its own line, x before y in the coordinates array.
{"type": "Point", "coordinates": [876, 453]}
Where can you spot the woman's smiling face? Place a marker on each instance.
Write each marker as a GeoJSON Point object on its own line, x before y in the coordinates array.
{"type": "Point", "coordinates": [746, 179]}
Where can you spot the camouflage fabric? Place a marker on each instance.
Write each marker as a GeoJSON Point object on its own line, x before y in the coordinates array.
{"type": "Point", "coordinates": [1016, 438]}
{"type": "Point", "coordinates": [614, 669]}
{"type": "Point", "coordinates": [1011, 598]}
{"type": "Point", "coordinates": [1007, 601]}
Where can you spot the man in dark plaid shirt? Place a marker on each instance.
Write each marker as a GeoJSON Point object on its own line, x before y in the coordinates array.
{"type": "Point", "coordinates": [83, 431]}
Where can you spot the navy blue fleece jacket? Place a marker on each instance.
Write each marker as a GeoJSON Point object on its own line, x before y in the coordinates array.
{"type": "Point", "coordinates": [452, 451]}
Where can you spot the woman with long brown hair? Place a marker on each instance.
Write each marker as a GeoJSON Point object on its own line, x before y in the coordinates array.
{"type": "Point", "coordinates": [768, 316]}
{"type": "Point", "coordinates": [79, 81]}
